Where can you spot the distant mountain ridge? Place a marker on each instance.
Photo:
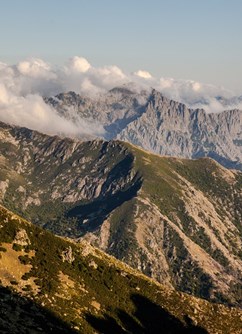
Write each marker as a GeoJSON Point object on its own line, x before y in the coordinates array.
{"type": "Point", "coordinates": [160, 125]}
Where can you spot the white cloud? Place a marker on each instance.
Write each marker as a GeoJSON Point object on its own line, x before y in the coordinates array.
{"type": "Point", "coordinates": [195, 94]}
{"type": "Point", "coordinates": [78, 64]}
{"type": "Point", "coordinates": [110, 72]}
{"type": "Point", "coordinates": [23, 85]}
{"type": "Point", "coordinates": [107, 77]}
{"type": "Point", "coordinates": [35, 68]}
{"type": "Point", "coordinates": [143, 74]}
{"type": "Point", "coordinates": [31, 111]}
{"type": "Point", "coordinates": [3, 95]}
{"type": "Point", "coordinates": [21, 89]}
{"type": "Point", "coordinates": [78, 75]}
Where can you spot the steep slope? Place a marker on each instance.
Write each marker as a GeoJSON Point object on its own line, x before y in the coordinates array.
{"type": "Point", "coordinates": [170, 128]}
{"type": "Point", "coordinates": [49, 284]}
{"type": "Point", "coordinates": [177, 220]}
{"type": "Point", "coordinates": [160, 125]}
{"type": "Point", "coordinates": [46, 178]}
{"type": "Point", "coordinates": [114, 110]}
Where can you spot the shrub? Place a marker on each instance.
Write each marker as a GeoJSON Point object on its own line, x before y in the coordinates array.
{"type": "Point", "coordinates": [17, 247]}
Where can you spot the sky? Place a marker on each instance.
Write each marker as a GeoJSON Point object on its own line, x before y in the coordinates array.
{"type": "Point", "coordinates": [180, 39]}
{"type": "Point", "coordinates": [189, 50]}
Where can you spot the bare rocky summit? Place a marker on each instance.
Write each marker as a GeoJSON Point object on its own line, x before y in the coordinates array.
{"type": "Point", "coordinates": [160, 125]}
{"type": "Point", "coordinates": [170, 128]}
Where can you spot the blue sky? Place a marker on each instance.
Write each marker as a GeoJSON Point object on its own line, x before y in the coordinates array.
{"type": "Point", "coordinates": [185, 39]}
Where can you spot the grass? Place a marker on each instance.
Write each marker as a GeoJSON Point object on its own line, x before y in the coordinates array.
{"type": "Point", "coordinates": [109, 283]}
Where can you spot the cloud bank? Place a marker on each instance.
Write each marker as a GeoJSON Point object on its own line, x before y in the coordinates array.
{"type": "Point", "coordinates": [23, 85]}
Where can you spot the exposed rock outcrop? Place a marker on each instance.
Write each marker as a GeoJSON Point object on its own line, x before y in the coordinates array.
{"type": "Point", "coordinates": [21, 238]}
{"type": "Point", "coordinates": [161, 125]}
{"type": "Point", "coordinates": [67, 255]}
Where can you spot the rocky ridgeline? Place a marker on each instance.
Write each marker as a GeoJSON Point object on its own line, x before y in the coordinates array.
{"type": "Point", "coordinates": [160, 125]}
{"type": "Point", "coordinates": [170, 128]}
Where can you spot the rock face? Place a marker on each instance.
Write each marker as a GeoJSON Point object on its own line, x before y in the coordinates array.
{"type": "Point", "coordinates": [92, 293]}
{"type": "Point", "coordinates": [160, 125]}
{"type": "Point", "coordinates": [67, 255]}
{"type": "Point", "coordinates": [170, 128]}
{"type": "Point", "coordinates": [114, 110]}
{"type": "Point", "coordinates": [176, 220]}
{"type": "Point", "coordinates": [21, 238]}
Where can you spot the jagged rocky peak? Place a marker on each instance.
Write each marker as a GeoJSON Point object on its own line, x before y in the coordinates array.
{"type": "Point", "coordinates": [161, 125]}
{"type": "Point", "coordinates": [165, 108]}
{"type": "Point", "coordinates": [121, 90]}
{"type": "Point", "coordinates": [158, 98]}
{"type": "Point", "coordinates": [170, 128]}
{"type": "Point", "coordinates": [69, 97]}
{"type": "Point", "coordinates": [233, 120]}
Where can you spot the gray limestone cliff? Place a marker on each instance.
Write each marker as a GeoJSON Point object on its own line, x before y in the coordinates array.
{"type": "Point", "coordinates": [170, 128]}
{"type": "Point", "coordinates": [160, 125]}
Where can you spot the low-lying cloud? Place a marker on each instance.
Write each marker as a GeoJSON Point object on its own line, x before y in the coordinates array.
{"type": "Point", "coordinates": [32, 112]}
{"type": "Point", "coordinates": [23, 85]}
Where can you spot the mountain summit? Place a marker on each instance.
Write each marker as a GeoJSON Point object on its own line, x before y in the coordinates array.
{"type": "Point", "coordinates": [160, 125]}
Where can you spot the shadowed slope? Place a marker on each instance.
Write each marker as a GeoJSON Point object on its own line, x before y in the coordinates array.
{"type": "Point", "coordinates": [20, 315]}
{"type": "Point", "coordinates": [147, 318]}
{"type": "Point", "coordinates": [54, 279]}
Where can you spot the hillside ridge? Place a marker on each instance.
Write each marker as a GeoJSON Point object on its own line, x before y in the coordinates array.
{"type": "Point", "coordinates": [58, 285]}
{"type": "Point", "coordinates": [176, 220]}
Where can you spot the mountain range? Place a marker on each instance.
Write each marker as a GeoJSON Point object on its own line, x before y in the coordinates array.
{"type": "Point", "coordinates": [158, 124]}
{"type": "Point", "coordinates": [176, 220]}
{"type": "Point", "coordinates": [135, 226]}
